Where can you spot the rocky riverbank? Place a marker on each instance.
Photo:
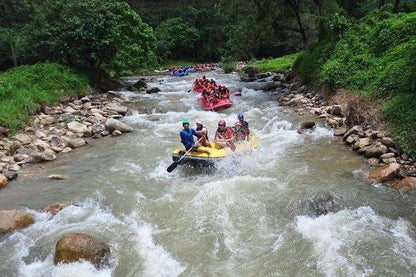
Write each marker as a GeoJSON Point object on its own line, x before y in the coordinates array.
{"type": "Point", "coordinates": [59, 129]}
{"type": "Point", "coordinates": [393, 168]}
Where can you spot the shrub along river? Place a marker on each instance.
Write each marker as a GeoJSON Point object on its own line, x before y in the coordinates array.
{"type": "Point", "coordinates": [257, 214]}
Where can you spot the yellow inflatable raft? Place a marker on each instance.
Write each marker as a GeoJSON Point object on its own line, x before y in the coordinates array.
{"type": "Point", "coordinates": [216, 152]}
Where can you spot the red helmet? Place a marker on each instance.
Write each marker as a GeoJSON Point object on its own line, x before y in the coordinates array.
{"type": "Point", "coordinates": [222, 122]}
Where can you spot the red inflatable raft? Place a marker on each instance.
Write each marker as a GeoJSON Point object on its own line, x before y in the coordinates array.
{"type": "Point", "coordinates": [199, 90]}
{"type": "Point", "coordinates": [221, 104]}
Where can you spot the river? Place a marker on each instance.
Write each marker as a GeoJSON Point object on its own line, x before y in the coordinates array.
{"type": "Point", "coordinates": [252, 216]}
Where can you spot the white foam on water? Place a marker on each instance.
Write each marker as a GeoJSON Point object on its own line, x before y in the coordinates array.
{"type": "Point", "coordinates": [157, 261]}
{"type": "Point", "coordinates": [47, 268]}
{"type": "Point", "coordinates": [88, 217]}
{"type": "Point", "coordinates": [127, 166]}
{"type": "Point", "coordinates": [336, 239]}
{"type": "Point", "coordinates": [220, 206]}
{"type": "Point", "coordinates": [405, 247]}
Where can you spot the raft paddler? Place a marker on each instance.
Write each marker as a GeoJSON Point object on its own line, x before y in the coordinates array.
{"type": "Point", "coordinates": [242, 130]}
{"type": "Point", "coordinates": [203, 131]}
{"type": "Point", "coordinates": [224, 135]}
{"type": "Point", "coordinates": [187, 138]}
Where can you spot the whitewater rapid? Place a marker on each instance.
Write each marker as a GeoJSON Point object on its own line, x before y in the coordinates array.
{"type": "Point", "coordinates": [250, 217]}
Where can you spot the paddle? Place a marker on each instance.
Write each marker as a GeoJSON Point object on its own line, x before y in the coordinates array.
{"type": "Point", "coordinates": [175, 164]}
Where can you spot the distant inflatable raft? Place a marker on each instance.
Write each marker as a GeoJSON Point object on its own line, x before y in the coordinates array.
{"type": "Point", "coordinates": [223, 103]}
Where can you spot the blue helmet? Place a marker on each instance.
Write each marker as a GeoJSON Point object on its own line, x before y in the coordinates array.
{"type": "Point", "coordinates": [240, 116]}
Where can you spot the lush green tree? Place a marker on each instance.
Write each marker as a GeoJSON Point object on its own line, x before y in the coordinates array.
{"type": "Point", "coordinates": [13, 15]}
{"type": "Point", "coordinates": [94, 34]}
{"type": "Point", "coordinates": [177, 38]}
{"type": "Point", "coordinates": [264, 28]}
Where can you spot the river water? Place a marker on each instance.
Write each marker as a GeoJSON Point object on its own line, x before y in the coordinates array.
{"type": "Point", "coordinates": [250, 217]}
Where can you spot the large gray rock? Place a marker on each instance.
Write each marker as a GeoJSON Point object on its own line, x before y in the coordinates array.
{"type": "Point", "coordinates": [140, 85]}
{"type": "Point", "coordinates": [23, 138]}
{"type": "Point", "coordinates": [353, 131]}
{"type": "Point", "coordinates": [113, 124]}
{"type": "Point", "coordinates": [47, 155]}
{"type": "Point", "coordinates": [361, 143]}
{"type": "Point", "coordinates": [352, 139]}
{"type": "Point", "coordinates": [73, 247]}
{"type": "Point", "coordinates": [335, 110]}
{"type": "Point", "coordinates": [11, 220]}
{"type": "Point", "coordinates": [153, 90]}
{"type": "Point", "coordinates": [322, 204]}
{"type": "Point", "coordinates": [269, 86]}
{"type": "Point", "coordinates": [76, 142]}
{"type": "Point", "coordinates": [78, 127]}
{"type": "Point", "coordinates": [252, 71]}
{"type": "Point", "coordinates": [117, 108]}
{"type": "Point", "coordinates": [306, 125]}
{"type": "Point", "coordinates": [340, 131]}
{"type": "Point", "coordinates": [375, 150]}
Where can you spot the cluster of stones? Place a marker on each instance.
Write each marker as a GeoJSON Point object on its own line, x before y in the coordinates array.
{"type": "Point", "coordinates": [60, 129]}
{"type": "Point", "coordinates": [394, 168]}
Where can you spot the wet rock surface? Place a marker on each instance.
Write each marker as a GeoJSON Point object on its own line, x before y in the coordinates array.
{"type": "Point", "coordinates": [73, 247]}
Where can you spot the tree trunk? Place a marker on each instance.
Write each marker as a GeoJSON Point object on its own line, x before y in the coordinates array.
{"type": "Point", "coordinates": [396, 6]}
{"type": "Point", "coordinates": [381, 3]}
{"type": "Point", "coordinates": [12, 50]}
{"type": "Point", "coordinates": [301, 29]}
{"type": "Point", "coordinates": [320, 8]}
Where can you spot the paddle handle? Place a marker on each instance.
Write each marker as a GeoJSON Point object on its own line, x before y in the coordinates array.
{"type": "Point", "coordinates": [188, 151]}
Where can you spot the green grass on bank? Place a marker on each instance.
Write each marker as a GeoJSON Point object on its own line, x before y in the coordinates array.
{"type": "Point", "coordinates": [275, 65]}
{"type": "Point", "coordinates": [23, 89]}
{"type": "Point", "coordinates": [377, 58]}
{"type": "Point", "coordinates": [229, 67]}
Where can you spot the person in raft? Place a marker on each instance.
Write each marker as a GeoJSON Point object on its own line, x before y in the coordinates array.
{"type": "Point", "coordinates": [187, 138]}
{"type": "Point", "coordinates": [200, 129]}
{"type": "Point", "coordinates": [224, 135]}
{"type": "Point", "coordinates": [241, 128]}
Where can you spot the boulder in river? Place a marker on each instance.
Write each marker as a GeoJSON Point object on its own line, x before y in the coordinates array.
{"type": "Point", "coordinates": [11, 220]}
{"type": "Point", "coordinates": [153, 90]}
{"type": "Point", "coordinates": [54, 208]}
{"type": "Point", "coordinates": [270, 86]}
{"type": "Point", "coordinates": [117, 108]}
{"type": "Point", "coordinates": [140, 85]}
{"type": "Point", "coordinates": [252, 71]}
{"type": "Point", "coordinates": [306, 125]}
{"type": "Point", "coordinates": [57, 177]}
{"type": "Point", "coordinates": [73, 247]}
{"type": "Point", "coordinates": [113, 124]}
{"type": "Point", "coordinates": [3, 181]}
{"type": "Point", "coordinates": [408, 183]}
{"type": "Point", "coordinates": [323, 204]}
{"type": "Point", "coordinates": [384, 173]}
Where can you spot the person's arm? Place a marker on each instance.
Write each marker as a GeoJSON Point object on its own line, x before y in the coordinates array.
{"type": "Point", "coordinates": [195, 133]}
